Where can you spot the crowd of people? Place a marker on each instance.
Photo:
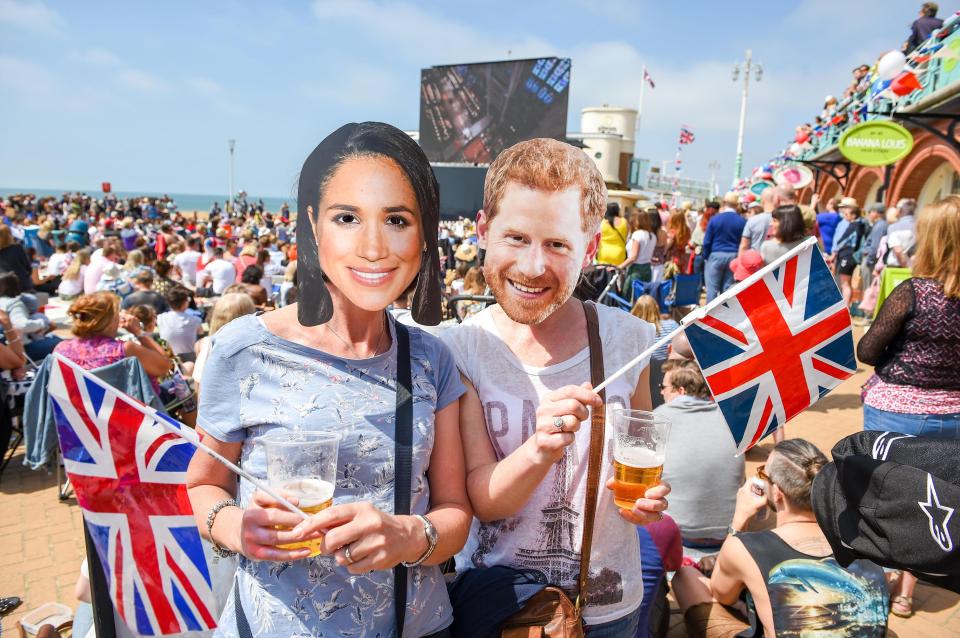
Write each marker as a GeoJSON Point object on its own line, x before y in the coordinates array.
{"type": "Point", "coordinates": [501, 357]}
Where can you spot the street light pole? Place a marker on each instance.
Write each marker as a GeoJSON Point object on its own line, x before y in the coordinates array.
{"type": "Point", "coordinates": [714, 166]}
{"type": "Point", "coordinates": [229, 207]}
{"type": "Point", "coordinates": [748, 66]}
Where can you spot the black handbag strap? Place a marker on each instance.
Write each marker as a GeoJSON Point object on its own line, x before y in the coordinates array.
{"type": "Point", "coordinates": [403, 461]}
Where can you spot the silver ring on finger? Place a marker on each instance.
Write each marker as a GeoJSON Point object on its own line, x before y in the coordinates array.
{"type": "Point", "coordinates": [346, 553]}
{"type": "Point", "coordinates": [558, 423]}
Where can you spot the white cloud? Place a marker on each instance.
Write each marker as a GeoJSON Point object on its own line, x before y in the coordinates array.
{"type": "Point", "coordinates": [96, 57]}
{"type": "Point", "coordinates": [205, 86]}
{"type": "Point", "coordinates": [30, 16]}
{"type": "Point", "coordinates": [405, 28]}
{"type": "Point", "coordinates": [143, 81]}
{"type": "Point", "coordinates": [353, 85]}
{"type": "Point", "coordinates": [27, 80]}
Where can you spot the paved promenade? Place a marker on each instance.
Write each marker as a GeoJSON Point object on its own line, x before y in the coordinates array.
{"type": "Point", "coordinates": [41, 538]}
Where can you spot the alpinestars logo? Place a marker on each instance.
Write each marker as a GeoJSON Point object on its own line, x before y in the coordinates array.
{"type": "Point", "coordinates": [881, 447]}
{"type": "Point", "coordinates": [939, 516]}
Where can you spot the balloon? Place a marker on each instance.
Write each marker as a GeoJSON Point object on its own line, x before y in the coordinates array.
{"type": "Point", "coordinates": [796, 149]}
{"type": "Point", "coordinates": [891, 64]}
{"type": "Point", "coordinates": [905, 83]}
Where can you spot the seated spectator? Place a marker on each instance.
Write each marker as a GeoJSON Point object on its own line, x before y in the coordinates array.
{"type": "Point", "coordinates": [218, 274]}
{"type": "Point", "coordinates": [12, 360]}
{"type": "Point", "coordinates": [143, 293]}
{"type": "Point", "coordinates": [788, 231]}
{"type": "Point", "coordinates": [60, 259]}
{"type": "Point", "coordinates": [112, 280]}
{"type": "Point", "coordinates": [270, 267]}
{"type": "Point", "coordinates": [795, 584]}
{"type": "Point", "coordinates": [700, 445]}
{"type": "Point", "coordinates": [71, 282]}
{"type": "Point", "coordinates": [473, 284]}
{"type": "Point", "coordinates": [135, 265]}
{"type": "Point", "coordinates": [289, 285]}
{"type": "Point", "coordinates": [96, 320]}
{"type": "Point", "coordinates": [129, 235]}
{"type": "Point", "coordinates": [247, 257]}
{"type": "Point", "coordinates": [187, 262]}
{"type": "Point", "coordinates": [250, 280]}
{"type": "Point", "coordinates": [33, 326]}
{"type": "Point", "coordinates": [167, 277]}
{"type": "Point", "coordinates": [14, 259]}
{"type": "Point", "coordinates": [914, 345]}
{"type": "Point", "coordinates": [179, 327]}
{"type": "Point", "coordinates": [228, 307]}
{"type": "Point", "coordinates": [100, 260]}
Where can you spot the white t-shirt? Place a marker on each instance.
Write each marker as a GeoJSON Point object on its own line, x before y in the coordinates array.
{"type": "Point", "coordinates": [647, 244]}
{"type": "Point", "coordinates": [73, 287]}
{"type": "Point", "coordinates": [546, 533]}
{"type": "Point", "coordinates": [58, 263]}
{"type": "Point", "coordinates": [221, 273]}
{"type": "Point", "coordinates": [179, 329]}
{"type": "Point", "coordinates": [187, 263]}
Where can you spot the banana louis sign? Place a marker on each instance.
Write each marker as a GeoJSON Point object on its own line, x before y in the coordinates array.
{"type": "Point", "coordinates": [876, 143]}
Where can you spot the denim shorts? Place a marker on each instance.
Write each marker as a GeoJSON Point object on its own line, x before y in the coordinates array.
{"type": "Point", "coordinates": [625, 627]}
{"type": "Point", "coordinates": [936, 426]}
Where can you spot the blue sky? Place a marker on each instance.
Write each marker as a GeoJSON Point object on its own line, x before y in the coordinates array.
{"type": "Point", "coordinates": [145, 95]}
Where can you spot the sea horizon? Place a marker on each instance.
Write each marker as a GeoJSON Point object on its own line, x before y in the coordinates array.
{"type": "Point", "coordinates": [186, 202]}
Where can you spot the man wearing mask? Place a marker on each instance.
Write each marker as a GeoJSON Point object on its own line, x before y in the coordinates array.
{"type": "Point", "coordinates": [526, 469]}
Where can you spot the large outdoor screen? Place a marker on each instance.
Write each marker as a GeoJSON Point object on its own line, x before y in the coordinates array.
{"type": "Point", "coordinates": [471, 112]}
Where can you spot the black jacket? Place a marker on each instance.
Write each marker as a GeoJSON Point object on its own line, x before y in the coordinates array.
{"type": "Point", "coordinates": [892, 498]}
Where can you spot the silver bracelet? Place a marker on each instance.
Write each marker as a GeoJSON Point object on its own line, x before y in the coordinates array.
{"type": "Point", "coordinates": [431, 533]}
{"type": "Point", "coordinates": [222, 552]}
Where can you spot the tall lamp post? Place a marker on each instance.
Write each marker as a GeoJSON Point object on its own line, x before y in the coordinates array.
{"type": "Point", "coordinates": [714, 166]}
{"type": "Point", "coordinates": [747, 65]}
{"type": "Point", "coordinates": [230, 145]}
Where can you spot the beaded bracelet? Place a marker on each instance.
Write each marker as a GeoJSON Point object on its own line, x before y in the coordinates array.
{"type": "Point", "coordinates": [222, 552]}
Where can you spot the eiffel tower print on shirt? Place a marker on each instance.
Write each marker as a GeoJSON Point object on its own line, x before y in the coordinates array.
{"type": "Point", "coordinates": [557, 555]}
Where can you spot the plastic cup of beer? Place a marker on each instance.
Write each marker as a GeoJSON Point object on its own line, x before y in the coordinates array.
{"type": "Point", "coordinates": [303, 465]}
{"type": "Point", "coordinates": [639, 447]}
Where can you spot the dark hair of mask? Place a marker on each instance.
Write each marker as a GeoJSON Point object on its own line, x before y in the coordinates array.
{"type": "Point", "coordinates": [367, 139]}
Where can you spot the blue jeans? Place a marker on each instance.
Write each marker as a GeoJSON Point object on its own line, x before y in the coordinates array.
{"type": "Point", "coordinates": [625, 627]}
{"type": "Point", "coordinates": [717, 273]}
{"type": "Point", "coordinates": [935, 426]}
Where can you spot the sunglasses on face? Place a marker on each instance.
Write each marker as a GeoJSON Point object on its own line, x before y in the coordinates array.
{"type": "Point", "coordinates": [762, 474]}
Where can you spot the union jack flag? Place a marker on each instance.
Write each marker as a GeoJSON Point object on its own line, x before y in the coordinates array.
{"type": "Point", "coordinates": [686, 135]}
{"type": "Point", "coordinates": [129, 474]}
{"type": "Point", "coordinates": [776, 345]}
{"type": "Point", "coordinates": [648, 79]}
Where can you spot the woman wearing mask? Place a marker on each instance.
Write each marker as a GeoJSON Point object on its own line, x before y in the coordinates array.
{"type": "Point", "coordinates": [369, 207]}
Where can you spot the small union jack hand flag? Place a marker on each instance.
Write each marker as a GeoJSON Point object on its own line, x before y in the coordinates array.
{"type": "Point", "coordinates": [129, 474]}
{"type": "Point", "coordinates": [775, 344]}
{"type": "Point", "coordinates": [686, 135]}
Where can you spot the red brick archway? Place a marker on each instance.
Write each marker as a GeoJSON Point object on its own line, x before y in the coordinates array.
{"type": "Point", "coordinates": [912, 173]}
{"type": "Point", "coordinates": [828, 188]}
{"type": "Point", "coordinates": [861, 181]}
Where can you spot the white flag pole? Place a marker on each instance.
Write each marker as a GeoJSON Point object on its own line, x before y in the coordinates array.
{"type": "Point", "coordinates": [189, 435]}
{"type": "Point", "coordinates": [699, 313]}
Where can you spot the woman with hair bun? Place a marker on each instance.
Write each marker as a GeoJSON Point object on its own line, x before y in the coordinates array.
{"type": "Point", "coordinates": [368, 211]}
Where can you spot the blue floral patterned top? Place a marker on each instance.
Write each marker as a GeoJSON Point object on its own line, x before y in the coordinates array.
{"type": "Point", "coordinates": [255, 382]}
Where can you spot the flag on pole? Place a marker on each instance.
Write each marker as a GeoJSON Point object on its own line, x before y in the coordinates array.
{"type": "Point", "coordinates": [648, 79]}
{"type": "Point", "coordinates": [686, 135]}
{"type": "Point", "coordinates": [775, 344]}
{"type": "Point", "coordinates": [129, 474]}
